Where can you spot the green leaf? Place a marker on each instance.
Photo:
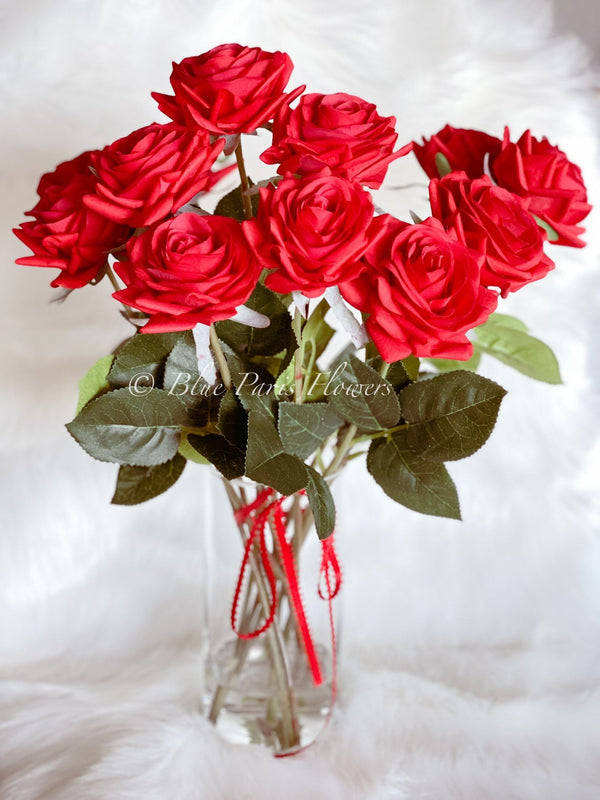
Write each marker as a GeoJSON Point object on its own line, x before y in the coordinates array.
{"type": "Point", "coordinates": [506, 320]}
{"type": "Point", "coordinates": [550, 232]}
{"type": "Point", "coordinates": [181, 376]}
{"type": "Point", "coordinates": [362, 396]}
{"type": "Point", "coordinates": [450, 365]}
{"type": "Point", "coordinates": [233, 420]}
{"type": "Point", "coordinates": [396, 374]}
{"type": "Point", "coordinates": [181, 379]}
{"type": "Point", "coordinates": [94, 382]}
{"type": "Point", "coordinates": [303, 428]}
{"type": "Point", "coordinates": [321, 503]}
{"type": "Point", "coordinates": [266, 460]}
{"type": "Point", "coordinates": [189, 452]}
{"type": "Point", "coordinates": [139, 430]}
{"type": "Point", "coordinates": [259, 341]}
{"type": "Point", "coordinates": [254, 386]}
{"type": "Point", "coordinates": [411, 364]}
{"type": "Point", "coordinates": [138, 484]}
{"type": "Point", "coordinates": [226, 457]}
{"type": "Point", "coordinates": [284, 385]}
{"type": "Point", "coordinates": [424, 486]}
{"type": "Point", "coordinates": [451, 416]}
{"type": "Point", "coordinates": [520, 351]}
{"type": "Point", "coordinates": [442, 165]}
{"type": "Point", "coordinates": [142, 359]}
{"type": "Point", "coordinates": [232, 204]}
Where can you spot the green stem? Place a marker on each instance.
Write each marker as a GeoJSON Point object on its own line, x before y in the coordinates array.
{"type": "Point", "coordinates": [298, 356]}
{"type": "Point", "coordinates": [289, 719]}
{"type": "Point", "coordinates": [307, 523]}
{"type": "Point", "coordinates": [127, 311]}
{"type": "Point", "coordinates": [242, 646]}
{"type": "Point", "coordinates": [296, 515]}
{"type": "Point", "coordinates": [220, 356]}
{"type": "Point", "coordinates": [342, 450]}
{"type": "Point", "coordinates": [247, 202]}
{"type": "Point", "coordinates": [380, 434]}
{"type": "Point", "coordinates": [112, 277]}
{"type": "Point", "coordinates": [309, 369]}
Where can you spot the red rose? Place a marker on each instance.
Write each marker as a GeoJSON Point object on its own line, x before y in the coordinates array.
{"type": "Point", "coordinates": [65, 234]}
{"type": "Point", "coordinates": [465, 150]}
{"type": "Point", "coordinates": [494, 222]}
{"type": "Point", "coordinates": [145, 176]}
{"type": "Point", "coordinates": [551, 185]}
{"type": "Point", "coordinates": [312, 232]}
{"type": "Point", "coordinates": [339, 130]}
{"type": "Point", "coordinates": [231, 89]}
{"type": "Point", "coordinates": [422, 290]}
{"type": "Point", "coordinates": [188, 269]}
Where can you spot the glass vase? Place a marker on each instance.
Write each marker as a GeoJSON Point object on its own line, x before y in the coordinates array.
{"type": "Point", "coordinates": [271, 644]}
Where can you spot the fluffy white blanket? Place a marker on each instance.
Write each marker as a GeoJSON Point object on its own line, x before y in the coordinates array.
{"type": "Point", "coordinates": [471, 651]}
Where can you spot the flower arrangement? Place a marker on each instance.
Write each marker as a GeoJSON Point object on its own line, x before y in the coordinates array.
{"type": "Point", "coordinates": [232, 360]}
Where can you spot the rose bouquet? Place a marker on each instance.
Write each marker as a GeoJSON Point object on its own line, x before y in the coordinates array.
{"type": "Point", "coordinates": [296, 325]}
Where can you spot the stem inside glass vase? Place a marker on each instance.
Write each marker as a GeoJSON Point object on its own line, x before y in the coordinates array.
{"type": "Point", "coordinates": [261, 684]}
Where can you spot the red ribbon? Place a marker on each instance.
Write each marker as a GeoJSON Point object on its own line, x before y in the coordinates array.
{"type": "Point", "coordinates": [268, 506]}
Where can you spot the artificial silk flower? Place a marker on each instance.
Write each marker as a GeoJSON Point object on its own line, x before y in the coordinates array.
{"type": "Point", "coordinates": [229, 90]}
{"type": "Point", "coordinates": [311, 232]}
{"type": "Point", "coordinates": [152, 172]}
{"type": "Point", "coordinates": [65, 234]}
{"type": "Point", "coordinates": [186, 270]}
{"type": "Point", "coordinates": [496, 223]}
{"type": "Point", "coordinates": [422, 291]}
{"type": "Point", "coordinates": [340, 130]}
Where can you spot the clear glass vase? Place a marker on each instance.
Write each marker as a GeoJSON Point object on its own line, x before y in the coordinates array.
{"type": "Point", "coordinates": [272, 633]}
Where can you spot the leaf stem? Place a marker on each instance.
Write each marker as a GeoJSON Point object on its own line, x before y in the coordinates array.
{"type": "Point", "coordinates": [220, 356]}
{"type": "Point", "coordinates": [367, 437]}
{"type": "Point", "coordinates": [247, 202]}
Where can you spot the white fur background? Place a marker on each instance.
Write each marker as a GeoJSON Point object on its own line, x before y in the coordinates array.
{"type": "Point", "coordinates": [471, 651]}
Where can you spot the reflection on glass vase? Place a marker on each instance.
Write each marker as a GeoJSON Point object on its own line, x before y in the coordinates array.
{"type": "Point", "coordinates": [270, 674]}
